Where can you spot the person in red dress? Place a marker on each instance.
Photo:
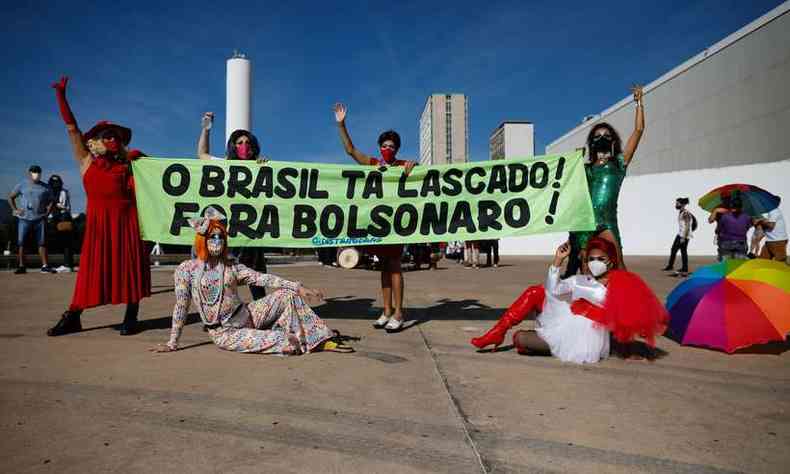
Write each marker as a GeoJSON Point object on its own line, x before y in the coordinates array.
{"type": "Point", "coordinates": [114, 266]}
{"type": "Point", "coordinates": [392, 286]}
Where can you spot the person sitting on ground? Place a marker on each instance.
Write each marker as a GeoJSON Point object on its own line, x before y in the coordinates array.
{"type": "Point", "coordinates": [280, 323]}
{"type": "Point", "coordinates": [576, 315]}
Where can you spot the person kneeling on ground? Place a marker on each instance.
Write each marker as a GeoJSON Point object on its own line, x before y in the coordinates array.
{"type": "Point", "coordinates": [279, 323]}
{"type": "Point", "coordinates": [576, 315]}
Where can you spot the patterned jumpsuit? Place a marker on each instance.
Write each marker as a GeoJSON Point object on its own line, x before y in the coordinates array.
{"type": "Point", "coordinates": [280, 323]}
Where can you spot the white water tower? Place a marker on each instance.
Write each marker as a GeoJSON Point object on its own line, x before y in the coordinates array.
{"type": "Point", "coordinates": [238, 94]}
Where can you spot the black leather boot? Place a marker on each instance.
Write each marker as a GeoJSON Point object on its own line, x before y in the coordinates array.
{"type": "Point", "coordinates": [69, 323]}
{"type": "Point", "coordinates": [129, 326]}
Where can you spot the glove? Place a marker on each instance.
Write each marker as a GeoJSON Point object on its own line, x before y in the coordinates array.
{"type": "Point", "coordinates": [60, 94]}
{"type": "Point", "coordinates": [584, 308]}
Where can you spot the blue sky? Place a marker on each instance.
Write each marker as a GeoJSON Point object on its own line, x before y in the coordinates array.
{"type": "Point", "coordinates": [156, 67]}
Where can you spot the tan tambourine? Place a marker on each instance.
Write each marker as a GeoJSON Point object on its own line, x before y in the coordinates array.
{"type": "Point", "coordinates": [348, 257]}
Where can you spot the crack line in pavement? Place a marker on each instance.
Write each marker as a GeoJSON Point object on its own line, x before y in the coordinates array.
{"type": "Point", "coordinates": [454, 403]}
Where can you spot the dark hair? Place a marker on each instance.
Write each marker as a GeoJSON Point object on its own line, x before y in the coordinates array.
{"type": "Point", "coordinates": [230, 153]}
{"type": "Point", "coordinates": [34, 169]}
{"type": "Point", "coordinates": [617, 147]}
{"type": "Point", "coordinates": [390, 135]}
{"type": "Point", "coordinates": [683, 201]}
{"type": "Point", "coordinates": [55, 181]}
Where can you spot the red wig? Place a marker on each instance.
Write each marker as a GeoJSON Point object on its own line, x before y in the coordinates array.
{"type": "Point", "coordinates": [606, 247]}
{"type": "Point", "coordinates": [201, 249]}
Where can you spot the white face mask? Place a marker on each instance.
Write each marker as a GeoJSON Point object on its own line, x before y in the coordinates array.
{"type": "Point", "coordinates": [597, 268]}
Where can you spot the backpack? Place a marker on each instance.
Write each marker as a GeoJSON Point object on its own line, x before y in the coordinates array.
{"type": "Point", "coordinates": [694, 224]}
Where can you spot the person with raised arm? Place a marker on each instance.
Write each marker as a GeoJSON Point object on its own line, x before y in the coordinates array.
{"type": "Point", "coordinates": [606, 171]}
{"type": "Point", "coordinates": [392, 284]}
{"type": "Point", "coordinates": [576, 315]}
{"type": "Point", "coordinates": [113, 267]}
{"type": "Point", "coordinates": [242, 145]}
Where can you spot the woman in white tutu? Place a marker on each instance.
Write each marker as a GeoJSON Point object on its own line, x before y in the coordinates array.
{"type": "Point", "coordinates": [576, 315]}
{"type": "Point", "coordinates": [559, 331]}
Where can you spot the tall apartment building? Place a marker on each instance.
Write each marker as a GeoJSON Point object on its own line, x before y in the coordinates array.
{"type": "Point", "coordinates": [512, 139]}
{"type": "Point", "coordinates": [444, 130]}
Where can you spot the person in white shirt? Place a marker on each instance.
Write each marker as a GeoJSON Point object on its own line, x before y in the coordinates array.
{"type": "Point", "coordinates": [686, 225]}
{"type": "Point", "coordinates": [773, 224]}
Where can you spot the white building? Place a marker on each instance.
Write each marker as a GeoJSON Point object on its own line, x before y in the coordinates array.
{"type": "Point", "coordinates": [444, 130]}
{"type": "Point", "coordinates": [238, 94]}
{"type": "Point", "coordinates": [721, 117]}
{"type": "Point", "coordinates": [512, 139]}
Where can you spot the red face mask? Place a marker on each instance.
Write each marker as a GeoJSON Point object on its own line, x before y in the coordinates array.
{"type": "Point", "coordinates": [388, 154]}
{"type": "Point", "coordinates": [111, 145]}
{"type": "Point", "coordinates": [243, 151]}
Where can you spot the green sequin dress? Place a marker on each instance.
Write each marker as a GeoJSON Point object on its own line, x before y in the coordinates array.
{"type": "Point", "coordinates": [604, 182]}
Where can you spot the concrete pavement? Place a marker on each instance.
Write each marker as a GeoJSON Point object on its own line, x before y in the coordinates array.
{"type": "Point", "coordinates": [419, 401]}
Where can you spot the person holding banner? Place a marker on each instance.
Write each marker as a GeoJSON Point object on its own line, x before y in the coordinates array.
{"type": "Point", "coordinates": [576, 315]}
{"type": "Point", "coordinates": [392, 285]}
{"type": "Point", "coordinates": [114, 265]}
{"type": "Point", "coordinates": [242, 145]}
{"type": "Point", "coordinates": [605, 174]}
{"type": "Point", "coordinates": [280, 323]}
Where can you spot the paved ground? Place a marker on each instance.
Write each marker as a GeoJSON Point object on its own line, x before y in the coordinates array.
{"type": "Point", "coordinates": [419, 401]}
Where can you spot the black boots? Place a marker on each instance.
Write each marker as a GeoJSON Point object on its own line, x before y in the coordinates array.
{"type": "Point", "coordinates": [69, 323]}
{"type": "Point", "coordinates": [129, 325]}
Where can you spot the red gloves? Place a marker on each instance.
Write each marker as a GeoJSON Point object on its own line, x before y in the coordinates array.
{"type": "Point", "coordinates": [584, 308]}
{"type": "Point", "coordinates": [60, 94]}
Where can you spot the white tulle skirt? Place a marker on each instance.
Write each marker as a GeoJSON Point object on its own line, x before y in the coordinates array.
{"type": "Point", "coordinates": [571, 338]}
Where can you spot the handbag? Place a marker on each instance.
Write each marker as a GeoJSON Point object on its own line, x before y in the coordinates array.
{"type": "Point", "coordinates": [64, 226]}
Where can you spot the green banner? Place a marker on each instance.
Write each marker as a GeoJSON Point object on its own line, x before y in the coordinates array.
{"type": "Point", "coordinates": [281, 204]}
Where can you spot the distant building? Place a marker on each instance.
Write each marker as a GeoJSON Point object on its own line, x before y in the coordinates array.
{"type": "Point", "coordinates": [444, 130]}
{"type": "Point", "coordinates": [512, 139]}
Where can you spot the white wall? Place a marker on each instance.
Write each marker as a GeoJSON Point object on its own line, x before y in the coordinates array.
{"type": "Point", "coordinates": [519, 140]}
{"type": "Point", "coordinates": [238, 95]}
{"type": "Point", "coordinates": [648, 220]}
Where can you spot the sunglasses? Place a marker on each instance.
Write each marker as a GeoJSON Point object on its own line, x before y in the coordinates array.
{"type": "Point", "coordinates": [216, 237]}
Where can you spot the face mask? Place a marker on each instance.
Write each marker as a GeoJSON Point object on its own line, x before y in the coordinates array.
{"type": "Point", "coordinates": [388, 154]}
{"type": "Point", "coordinates": [35, 176]}
{"type": "Point", "coordinates": [602, 143]}
{"type": "Point", "coordinates": [215, 243]}
{"type": "Point", "coordinates": [597, 268]}
{"type": "Point", "coordinates": [243, 151]}
{"type": "Point", "coordinates": [111, 146]}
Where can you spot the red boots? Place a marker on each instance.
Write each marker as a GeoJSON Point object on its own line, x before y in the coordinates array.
{"type": "Point", "coordinates": [531, 299]}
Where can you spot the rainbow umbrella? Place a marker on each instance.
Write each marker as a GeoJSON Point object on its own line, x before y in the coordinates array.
{"type": "Point", "coordinates": [756, 201]}
{"type": "Point", "coordinates": [732, 305]}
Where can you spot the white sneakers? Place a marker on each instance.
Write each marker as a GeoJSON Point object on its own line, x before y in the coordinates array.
{"type": "Point", "coordinates": [394, 325]}
{"type": "Point", "coordinates": [381, 322]}
{"type": "Point", "coordinates": [389, 324]}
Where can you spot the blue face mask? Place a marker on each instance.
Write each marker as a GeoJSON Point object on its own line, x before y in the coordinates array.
{"type": "Point", "coordinates": [215, 244]}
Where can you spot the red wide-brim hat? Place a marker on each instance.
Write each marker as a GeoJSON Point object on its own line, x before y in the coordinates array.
{"type": "Point", "coordinates": [124, 133]}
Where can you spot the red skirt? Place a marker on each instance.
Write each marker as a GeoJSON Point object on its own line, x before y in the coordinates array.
{"type": "Point", "coordinates": [114, 266]}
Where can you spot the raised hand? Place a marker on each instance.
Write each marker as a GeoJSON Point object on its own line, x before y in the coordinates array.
{"type": "Point", "coordinates": [636, 89]}
{"type": "Point", "coordinates": [408, 165]}
{"type": "Point", "coordinates": [340, 112]}
{"type": "Point", "coordinates": [61, 84]}
{"type": "Point", "coordinates": [207, 120]}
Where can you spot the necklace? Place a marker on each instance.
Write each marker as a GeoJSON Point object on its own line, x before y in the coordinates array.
{"type": "Point", "coordinates": [212, 284]}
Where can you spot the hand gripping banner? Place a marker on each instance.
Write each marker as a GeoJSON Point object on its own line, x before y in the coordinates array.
{"type": "Point", "coordinates": [282, 204]}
